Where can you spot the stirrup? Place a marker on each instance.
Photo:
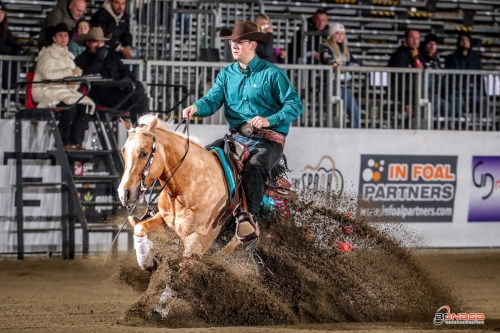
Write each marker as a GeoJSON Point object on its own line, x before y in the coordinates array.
{"type": "Point", "coordinates": [246, 228]}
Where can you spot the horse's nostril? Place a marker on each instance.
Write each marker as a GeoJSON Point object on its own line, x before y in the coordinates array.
{"type": "Point", "coordinates": [127, 195]}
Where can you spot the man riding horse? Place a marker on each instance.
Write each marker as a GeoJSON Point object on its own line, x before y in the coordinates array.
{"type": "Point", "coordinates": [257, 93]}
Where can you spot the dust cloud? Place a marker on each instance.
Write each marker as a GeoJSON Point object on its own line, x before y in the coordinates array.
{"type": "Point", "coordinates": [308, 274]}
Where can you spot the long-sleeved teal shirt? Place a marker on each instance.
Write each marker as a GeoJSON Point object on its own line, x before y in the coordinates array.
{"type": "Point", "coordinates": [262, 90]}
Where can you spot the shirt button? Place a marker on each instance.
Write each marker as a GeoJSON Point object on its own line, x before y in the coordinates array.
{"type": "Point", "coordinates": [244, 86]}
{"type": "Point", "coordinates": [246, 109]}
{"type": "Point", "coordinates": [245, 98]}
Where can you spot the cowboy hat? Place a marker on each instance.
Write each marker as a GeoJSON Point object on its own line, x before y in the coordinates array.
{"type": "Point", "coordinates": [245, 30]}
{"type": "Point", "coordinates": [59, 27]}
{"type": "Point", "coordinates": [93, 34]}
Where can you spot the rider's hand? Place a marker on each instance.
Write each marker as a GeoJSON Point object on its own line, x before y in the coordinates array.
{"type": "Point", "coordinates": [188, 112]}
{"type": "Point", "coordinates": [259, 122]}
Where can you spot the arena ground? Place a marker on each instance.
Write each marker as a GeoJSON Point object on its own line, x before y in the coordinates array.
{"type": "Point", "coordinates": [52, 295]}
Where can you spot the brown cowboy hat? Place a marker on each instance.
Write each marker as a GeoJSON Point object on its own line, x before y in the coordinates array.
{"type": "Point", "coordinates": [93, 34]}
{"type": "Point", "coordinates": [245, 30]}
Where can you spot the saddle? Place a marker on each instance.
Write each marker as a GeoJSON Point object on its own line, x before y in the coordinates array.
{"type": "Point", "coordinates": [278, 188]}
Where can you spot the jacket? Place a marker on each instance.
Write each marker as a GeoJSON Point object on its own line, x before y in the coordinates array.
{"type": "Point", "coordinates": [55, 62]}
{"type": "Point", "coordinates": [109, 68]}
{"type": "Point", "coordinates": [267, 51]}
{"type": "Point", "coordinates": [10, 46]}
{"type": "Point", "coordinates": [60, 14]}
{"type": "Point", "coordinates": [118, 26]}
{"type": "Point", "coordinates": [403, 58]}
{"type": "Point", "coordinates": [318, 40]}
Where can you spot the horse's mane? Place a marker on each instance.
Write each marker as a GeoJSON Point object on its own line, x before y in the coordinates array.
{"type": "Point", "coordinates": [163, 125]}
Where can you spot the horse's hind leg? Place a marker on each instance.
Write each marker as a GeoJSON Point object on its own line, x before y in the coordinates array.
{"type": "Point", "coordinates": [142, 244]}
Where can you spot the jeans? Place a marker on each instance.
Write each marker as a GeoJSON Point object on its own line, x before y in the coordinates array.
{"type": "Point", "coordinates": [250, 141]}
{"type": "Point", "coordinates": [263, 158]}
{"type": "Point", "coordinates": [351, 106]}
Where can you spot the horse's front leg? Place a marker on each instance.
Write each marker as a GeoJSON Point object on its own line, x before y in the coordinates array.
{"type": "Point", "coordinates": [142, 244]}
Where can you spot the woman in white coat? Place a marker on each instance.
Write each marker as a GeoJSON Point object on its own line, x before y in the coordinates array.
{"type": "Point", "coordinates": [56, 62]}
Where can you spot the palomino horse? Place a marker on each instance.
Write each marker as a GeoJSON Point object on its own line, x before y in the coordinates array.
{"type": "Point", "coordinates": [193, 197]}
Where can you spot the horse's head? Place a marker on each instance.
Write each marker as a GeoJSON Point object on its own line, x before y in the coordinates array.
{"type": "Point", "coordinates": [138, 155]}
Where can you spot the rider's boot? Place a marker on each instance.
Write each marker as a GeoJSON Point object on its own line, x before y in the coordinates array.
{"type": "Point", "coordinates": [246, 228]}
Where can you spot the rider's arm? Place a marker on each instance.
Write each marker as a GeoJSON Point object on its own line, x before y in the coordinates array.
{"type": "Point", "coordinates": [213, 100]}
{"type": "Point", "coordinates": [292, 105]}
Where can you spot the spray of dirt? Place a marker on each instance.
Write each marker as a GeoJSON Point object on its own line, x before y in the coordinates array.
{"type": "Point", "coordinates": [304, 279]}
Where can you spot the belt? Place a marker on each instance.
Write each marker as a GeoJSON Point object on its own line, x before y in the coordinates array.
{"type": "Point", "coordinates": [271, 135]}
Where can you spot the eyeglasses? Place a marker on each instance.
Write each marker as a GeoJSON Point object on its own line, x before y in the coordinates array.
{"type": "Point", "coordinates": [238, 42]}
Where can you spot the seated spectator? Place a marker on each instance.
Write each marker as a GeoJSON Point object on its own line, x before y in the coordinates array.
{"type": "Point", "coordinates": [56, 62]}
{"type": "Point", "coordinates": [8, 46]}
{"type": "Point", "coordinates": [100, 59]}
{"type": "Point", "coordinates": [114, 21]}
{"type": "Point", "coordinates": [407, 56]}
{"type": "Point", "coordinates": [464, 59]}
{"type": "Point", "coordinates": [318, 22]}
{"type": "Point", "coordinates": [66, 11]}
{"type": "Point", "coordinates": [335, 52]}
{"type": "Point", "coordinates": [82, 28]}
{"type": "Point", "coordinates": [267, 51]}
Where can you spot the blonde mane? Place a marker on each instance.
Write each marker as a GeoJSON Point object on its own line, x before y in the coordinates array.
{"type": "Point", "coordinates": [165, 126]}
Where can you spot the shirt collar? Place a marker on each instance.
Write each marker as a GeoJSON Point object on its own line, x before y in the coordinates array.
{"type": "Point", "coordinates": [251, 65]}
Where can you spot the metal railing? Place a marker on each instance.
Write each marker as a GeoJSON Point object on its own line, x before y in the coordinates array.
{"type": "Point", "coordinates": [12, 70]}
{"type": "Point", "coordinates": [409, 98]}
{"type": "Point", "coordinates": [308, 81]}
{"type": "Point", "coordinates": [366, 97]}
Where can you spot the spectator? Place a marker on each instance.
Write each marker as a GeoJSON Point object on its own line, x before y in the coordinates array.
{"type": "Point", "coordinates": [335, 52]}
{"type": "Point", "coordinates": [407, 56]}
{"type": "Point", "coordinates": [8, 46]}
{"type": "Point", "coordinates": [464, 59]}
{"type": "Point", "coordinates": [428, 50]}
{"type": "Point", "coordinates": [113, 19]}
{"type": "Point", "coordinates": [267, 51]}
{"type": "Point", "coordinates": [99, 59]}
{"type": "Point", "coordinates": [82, 28]}
{"type": "Point", "coordinates": [318, 22]}
{"type": "Point", "coordinates": [66, 11]}
{"type": "Point", "coordinates": [56, 62]}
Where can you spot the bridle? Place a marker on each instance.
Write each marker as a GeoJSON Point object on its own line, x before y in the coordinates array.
{"type": "Point", "coordinates": [145, 173]}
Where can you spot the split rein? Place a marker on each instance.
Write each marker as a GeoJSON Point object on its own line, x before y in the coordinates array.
{"type": "Point", "coordinates": [145, 173]}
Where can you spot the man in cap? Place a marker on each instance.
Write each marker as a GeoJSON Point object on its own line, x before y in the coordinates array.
{"type": "Point", "coordinates": [99, 59]}
{"type": "Point", "coordinates": [257, 93]}
{"type": "Point", "coordinates": [66, 11]}
{"type": "Point", "coordinates": [464, 59]}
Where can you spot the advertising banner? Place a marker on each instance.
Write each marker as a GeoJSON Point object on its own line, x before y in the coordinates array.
{"type": "Point", "coordinates": [484, 197]}
{"type": "Point", "coordinates": [410, 188]}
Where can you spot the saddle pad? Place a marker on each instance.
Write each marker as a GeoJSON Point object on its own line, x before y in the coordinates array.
{"type": "Point", "coordinates": [227, 169]}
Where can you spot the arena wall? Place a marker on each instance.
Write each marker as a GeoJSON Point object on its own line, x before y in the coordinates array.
{"type": "Point", "coordinates": [443, 186]}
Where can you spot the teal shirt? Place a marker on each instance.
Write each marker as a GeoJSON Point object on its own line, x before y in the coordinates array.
{"type": "Point", "coordinates": [262, 90]}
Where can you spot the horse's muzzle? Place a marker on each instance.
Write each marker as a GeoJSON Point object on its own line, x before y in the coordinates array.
{"type": "Point", "coordinates": [129, 197]}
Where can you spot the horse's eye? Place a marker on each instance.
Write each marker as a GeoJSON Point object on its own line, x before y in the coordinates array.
{"type": "Point", "coordinates": [143, 154]}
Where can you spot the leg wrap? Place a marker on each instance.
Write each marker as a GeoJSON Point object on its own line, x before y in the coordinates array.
{"type": "Point", "coordinates": [142, 245]}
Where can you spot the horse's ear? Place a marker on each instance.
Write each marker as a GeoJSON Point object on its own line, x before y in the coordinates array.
{"type": "Point", "coordinates": [126, 124]}
{"type": "Point", "coordinates": [152, 125]}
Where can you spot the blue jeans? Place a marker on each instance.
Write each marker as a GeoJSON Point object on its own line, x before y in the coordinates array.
{"type": "Point", "coordinates": [351, 106]}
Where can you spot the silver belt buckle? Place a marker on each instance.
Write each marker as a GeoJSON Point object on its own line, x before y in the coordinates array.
{"type": "Point", "coordinates": [246, 129]}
